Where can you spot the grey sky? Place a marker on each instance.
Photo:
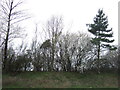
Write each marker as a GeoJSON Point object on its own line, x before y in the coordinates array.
{"type": "Point", "coordinates": [76, 13]}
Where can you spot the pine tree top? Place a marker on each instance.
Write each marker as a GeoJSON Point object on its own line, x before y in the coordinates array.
{"type": "Point", "coordinates": [100, 29]}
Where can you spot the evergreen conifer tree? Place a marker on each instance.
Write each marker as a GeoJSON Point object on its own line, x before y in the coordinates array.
{"type": "Point", "coordinates": [101, 33]}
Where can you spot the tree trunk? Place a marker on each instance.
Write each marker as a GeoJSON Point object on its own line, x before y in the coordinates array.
{"type": "Point", "coordinates": [7, 36]}
{"type": "Point", "coordinates": [98, 58]}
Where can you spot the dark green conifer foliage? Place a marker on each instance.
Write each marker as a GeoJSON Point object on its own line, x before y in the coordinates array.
{"type": "Point", "coordinates": [101, 33]}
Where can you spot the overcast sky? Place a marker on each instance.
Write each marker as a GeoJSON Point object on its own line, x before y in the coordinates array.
{"type": "Point", "coordinates": [76, 13]}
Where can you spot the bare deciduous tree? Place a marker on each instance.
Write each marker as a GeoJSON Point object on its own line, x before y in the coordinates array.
{"type": "Point", "coordinates": [10, 15]}
{"type": "Point", "coordinates": [54, 29]}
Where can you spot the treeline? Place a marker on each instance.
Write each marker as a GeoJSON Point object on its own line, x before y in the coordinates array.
{"type": "Point", "coordinates": [72, 52]}
{"type": "Point", "coordinates": [59, 51]}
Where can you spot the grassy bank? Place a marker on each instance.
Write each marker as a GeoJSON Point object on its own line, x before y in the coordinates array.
{"type": "Point", "coordinates": [60, 80]}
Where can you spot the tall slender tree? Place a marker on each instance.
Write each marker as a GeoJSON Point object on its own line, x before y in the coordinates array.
{"type": "Point", "coordinates": [101, 33]}
{"type": "Point", "coordinates": [10, 15]}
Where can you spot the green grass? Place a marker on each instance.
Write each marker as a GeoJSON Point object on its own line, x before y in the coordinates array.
{"type": "Point", "coordinates": [60, 80]}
